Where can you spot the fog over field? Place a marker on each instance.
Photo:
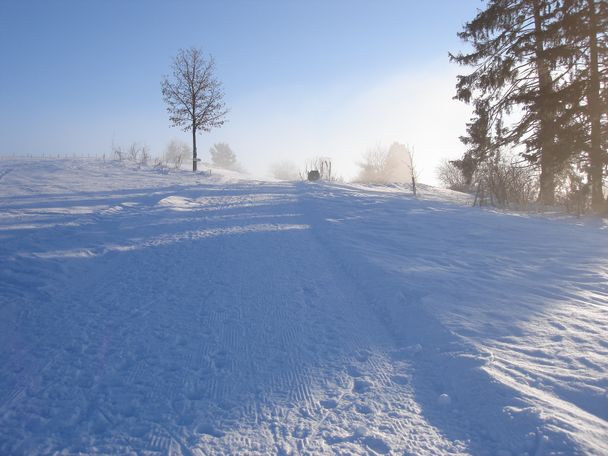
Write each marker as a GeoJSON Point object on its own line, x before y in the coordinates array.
{"type": "Point", "coordinates": [294, 92]}
{"type": "Point", "coordinates": [344, 122]}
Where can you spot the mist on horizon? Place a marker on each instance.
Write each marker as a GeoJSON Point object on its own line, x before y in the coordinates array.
{"type": "Point", "coordinates": [334, 85]}
{"type": "Point", "coordinates": [288, 125]}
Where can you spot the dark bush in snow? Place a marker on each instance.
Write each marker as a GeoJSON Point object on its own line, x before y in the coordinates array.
{"type": "Point", "coordinates": [314, 175]}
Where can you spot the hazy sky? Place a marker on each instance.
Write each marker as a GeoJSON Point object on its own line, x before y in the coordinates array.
{"type": "Point", "coordinates": [302, 78]}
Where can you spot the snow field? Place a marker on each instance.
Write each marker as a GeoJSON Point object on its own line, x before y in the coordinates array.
{"type": "Point", "coordinates": [144, 313]}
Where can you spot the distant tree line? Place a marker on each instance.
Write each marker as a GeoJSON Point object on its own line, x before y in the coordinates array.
{"type": "Point", "coordinates": [539, 86]}
{"type": "Point", "coordinates": [178, 152]}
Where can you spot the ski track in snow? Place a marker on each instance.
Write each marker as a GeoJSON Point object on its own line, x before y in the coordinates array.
{"type": "Point", "coordinates": [181, 314]}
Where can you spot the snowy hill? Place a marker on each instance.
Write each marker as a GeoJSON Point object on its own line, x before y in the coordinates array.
{"type": "Point", "coordinates": [148, 313]}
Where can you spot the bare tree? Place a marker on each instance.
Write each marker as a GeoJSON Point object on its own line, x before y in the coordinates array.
{"type": "Point", "coordinates": [503, 182]}
{"type": "Point", "coordinates": [134, 153]}
{"type": "Point", "coordinates": [194, 97]}
{"type": "Point", "coordinates": [176, 152]}
{"type": "Point", "coordinates": [411, 165]}
{"type": "Point", "coordinates": [451, 176]}
{"type": "Point", "coordinates": [374, 165]}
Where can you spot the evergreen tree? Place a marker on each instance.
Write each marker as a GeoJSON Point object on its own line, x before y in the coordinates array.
{"type": "Point", "coordinates": [478, 141]}
{"type": "Point", "coordinates": [597, 21]}
{"type": "Point", "coordinates": [541, 67]}
{"type": "Point", "coordinates": [586, 32]}
{"type": "Point", "coordinates": [516, 45]}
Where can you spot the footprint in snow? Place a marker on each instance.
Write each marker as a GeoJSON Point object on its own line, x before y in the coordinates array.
{"type": "Point", "coordinates": [329, 403]}
{"type": "Point", "coordinates": [362, 355]}
{"type": "Point", "coordinates": [377, 445]}
{"type": "Point", "coordinates": [400, 380]}
{"type": "Point", "coordinates": [208, 429]}
{"type": "Point", "coordinates": [361, 386]}
{"type": "Point", "coordinates": [353, 371]}
{"type": "Point", "coordinates": [364, 409]}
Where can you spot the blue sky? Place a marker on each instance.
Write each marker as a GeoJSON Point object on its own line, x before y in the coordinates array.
{"type": "Point", "coordinates": [302, 78]}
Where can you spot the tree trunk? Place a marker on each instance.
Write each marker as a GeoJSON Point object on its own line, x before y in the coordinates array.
{"type": "Point", "coordinates": [194, 159]}
{"type": "Point", "coordinates": [546, 131]}
{"type": "Point", "coordinates": [593, 100]}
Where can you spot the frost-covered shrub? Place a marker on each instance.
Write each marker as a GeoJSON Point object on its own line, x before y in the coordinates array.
{"type": "Point", "coordinates": [505, 183]}
{"type": "Point", "coordinates": [135, 153]}
{"type": "Point", "coordinates": [176, 153]}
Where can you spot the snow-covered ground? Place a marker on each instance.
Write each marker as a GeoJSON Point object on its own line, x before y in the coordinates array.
{"type": "Point", "coordinates": [148, 313]}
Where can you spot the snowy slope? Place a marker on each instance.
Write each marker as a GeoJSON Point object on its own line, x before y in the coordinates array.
{"type": "Point", "coordinates": [151, 313]}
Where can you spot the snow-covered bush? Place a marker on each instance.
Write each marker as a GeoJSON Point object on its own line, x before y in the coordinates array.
{"type": "Point", "coordinates": [176, 152]}
{"type": "Point", "coordinates": [135, 153]}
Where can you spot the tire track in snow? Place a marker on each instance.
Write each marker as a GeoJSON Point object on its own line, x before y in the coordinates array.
{"type": "Point", "coordinates": [225, 344]}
